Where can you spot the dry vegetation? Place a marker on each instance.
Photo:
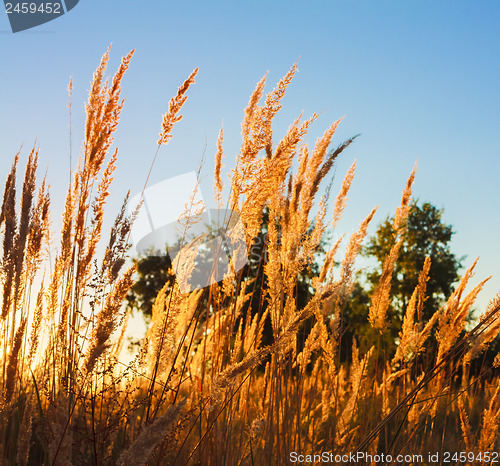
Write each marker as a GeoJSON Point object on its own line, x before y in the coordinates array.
{"type": "Point", "coordinates": [204, 388]}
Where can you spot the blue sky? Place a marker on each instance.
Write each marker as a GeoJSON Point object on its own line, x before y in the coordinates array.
{"type": "Point", "coordinates": [418, 80]}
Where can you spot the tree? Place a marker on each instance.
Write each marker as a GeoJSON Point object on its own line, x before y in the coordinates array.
{"type": "Point", "coordinates": [426, 235]}
{"type": "Point", "coordinates": [153, 271]}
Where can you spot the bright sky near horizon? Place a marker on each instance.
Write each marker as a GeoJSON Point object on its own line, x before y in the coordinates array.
{"type": "Point", "coordinates": [418, 80]}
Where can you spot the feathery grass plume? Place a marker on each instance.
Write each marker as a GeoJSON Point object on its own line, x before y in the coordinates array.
{"type": "Point", "coordinates": [237, 346]}
{"type": "Point", "coordinates": [68, 225]}
{"type": "Point", "coordinates": [257, 135]}
{"type": "Point", "coordinates": [341, 200]}
{"type": "Point", "coordinates": [12, 367]}
{"type": "Point", "coordinates": [490, 424]}
{"type": "Point", "coordinates": [94, 235]}
{"type": "Point", "coordinates": [328, 263]}
{"type": "Point", "coordinates": [299, 178]}
{"type": "Point", "coordinates": [253, 337]}
{"type": "Point", "coordinates": [272, 269]}
{"type": "Point", "coordinates": [107, 319]}
{"type": "Point", "coordinates": [96, 97]}
{"type": "Point", "coordinates": [271, 107]}
{"type": "Point", "coordinates": [300, 241]}
{"type": "Point", "coordinates": [328, 345]}
{"type": "Point", "coordinates": [118, 244]}
{"type": "Point", "coordinates": [381, 296]}
{"type": "Point", "coordinates": [386, 387]}
{"type": "Point", "coordinates": [63, 332]}
{"type": "Point", "coordinates": [290, 247]}
{"type": "Point", "coordinates": [465, 424]}
{"type": "Point", "coordinates": [229, 377]}
{"type": "Point", "coordinates": [313, 170]}
{"type": "Point", "coordinates": [14, 267]}
{"type": "Point", "coordinates": [252, 109]}
{"type": "Point", "coordinates": [184, 264]}
{"type": "Point", "coordinates": [493, 306]}
{"type": "Point", "coordinates": [163, 321]}
{"type": "Point", "coordinates": [245, 164]}
{"type": "Point", "coordinates": [407, 335]}
{"type": "Point", "coordinates": [316, 171]}
{"type": "Point", "coordinates": [352, 251]}
{"type": "Point", "coordinates": [218, 167]}
{"type": "Point", "coordinates": [453, 318]}
{"type": "Point", "coordinates": [490, 332]}
{"type": "Point", "coordinates": [356, 376]}
{"type": "Point", "coordinates": [174, 107]}
{"type": "Point", "coordinates": [9, 194]}
{"type": "Point", "coordinates": [25, 226]}
{"type": "Point", "coordinates": [423, 278]}
{"type": "Point", "coordinates": [63, 259]}
{"type": "Point", "coordinates": [266, 182]}
{"type": "Point", "coordinates": [411, 339]}
{"type": "Point", "coordinates": [321, 148]}
{"type": "Point", "coordinates": [328, 163]}
{"type": "Point", "coordinates": [36, 328]}
{"type": "Point", "coordinates": [39, 232]}
{"type": "Point", "coordinates": [118, 344]}
{"type": "Point", "coordinates": [8, 217]}
{"type": "Point", "coordinates": [403, 209]}
{"type": "Point", "coordinates": [103, 113]}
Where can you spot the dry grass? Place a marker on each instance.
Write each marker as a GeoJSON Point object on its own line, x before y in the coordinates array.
{"type": "Point", "coordinates": [204, 388]}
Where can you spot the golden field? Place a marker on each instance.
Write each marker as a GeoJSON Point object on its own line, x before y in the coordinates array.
{"type": "Point", "coordinates": [205, 387]}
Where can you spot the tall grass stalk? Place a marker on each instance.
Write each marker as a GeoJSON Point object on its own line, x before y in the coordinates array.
{"type": "Point", "coordinates": [220, 378]}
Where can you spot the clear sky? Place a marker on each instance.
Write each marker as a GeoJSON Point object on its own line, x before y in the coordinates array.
{"type": "Point", "coordinates": [418, 80]}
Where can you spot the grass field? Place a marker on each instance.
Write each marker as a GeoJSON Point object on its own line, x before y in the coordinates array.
{"type": "Point", "coordinates": [205, 387]}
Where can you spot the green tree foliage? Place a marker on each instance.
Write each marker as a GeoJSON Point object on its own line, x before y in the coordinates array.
{"type": "Point", "coordinates": [153, 271]}
{"type": "Point", "coordinates": [426, 235]}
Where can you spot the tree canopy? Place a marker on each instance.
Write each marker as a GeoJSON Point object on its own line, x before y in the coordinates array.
{"type": "Point", "coordinates": [426, 235]}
